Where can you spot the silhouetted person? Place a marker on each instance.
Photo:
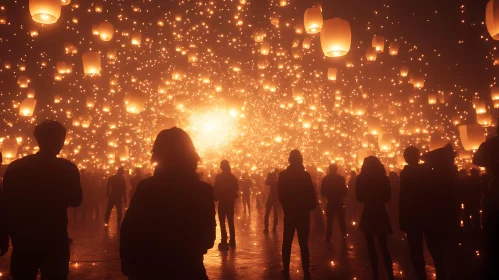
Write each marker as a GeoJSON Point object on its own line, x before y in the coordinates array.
{"type": "Point", "coordinates": [246, 184]}
{"type": "Point", "coordinates": [4, 235]}
{"type": "Point", "coordinates": [226, 188]}
{"type": "Point", "coordinates": [85, 187]}
{"type": "Point", "coordinates": [488, 156]}
{"type": "Point", "coordinates": [334, 188]}
{"type": "Point", "coordinates": [418, 209]}
{"type": "Point", "coordinates": [272, 200]}
{"type": "Point", "coordinates": [472, 199]}
{"type": "Point", "coordinates": [353, 204]}
{"type": "Point", "coordinates": [38, 189]}
{"type": "Point", "coordinates": [374, 191]}
{"type": "Point", "coordinates": [170, 223]}
{"type": "Point", "coordinates": [116, 193]}
{"type": "Point", "coordinates": [297, 197]}
{"type": "Point", "coordinates": [135, 180]}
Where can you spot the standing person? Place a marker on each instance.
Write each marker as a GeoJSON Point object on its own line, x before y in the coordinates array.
{"type": "Point", "coordinates": [135, 180]}
{"type": "Point", "coordinates": [334, 188]}
{"type": "Point", "coordinates": [38, 189]}
{"type": "Point", "coordinates": [272, 200]}
{"type": "Point", "coordinates": [85, 187]}
{"type": "Point", "coordinates": [297, 196]}
{"type": "Point", "coordinates": [226, 188]}
{"type": "Point", "coordinates": [4, 235]}
{"type": "Point", "coordinates": [246, 184]}
{"type": "Point", "coordinates": [170, 223]}
{"type": "Point", "coordinates": [472, 199]}
{"type": "Point", "coordinates": [352, 202]}
{"type": "Point", "coordinates": [373, 190]}
{"type": "Point", "coordinates": [418, 214]}
{"type": "Point", "coordinates": [116, 194]}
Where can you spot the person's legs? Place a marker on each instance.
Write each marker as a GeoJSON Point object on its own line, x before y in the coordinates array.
{"type": "Point", "coordinates": [110, 205]}
{"type": "Point", "coordinates": [119, 211]}
{"type": "Point", "coordinates": [303, 228]}
{"type": "Point", "coordinates": [55, 263]}
{"type": "Point", "coordinates": [415, 242]}
{"type": "Point", "coordinates": [434, 241]}
{"type": "Point", "coordinates": [268, 207]}
{"type": "Point", "coordinates": [232, 230]}
{"type": "Point", "coordinates": [383, 244]}
{"type": "Point", "coordinates": [276, 214]}
{"type": "Point", "coordinates": [23, 264]}
{"type": "Point", "coordinates": [373, 256]}
{"type": "Point", "coordinates": [221, 218]}
{"type": "Point", "coordinates": [287, 240]}
{"type": "Point", "coordinates": [329, 227]}
{"type": "Point", "coordinates": [342, 221]}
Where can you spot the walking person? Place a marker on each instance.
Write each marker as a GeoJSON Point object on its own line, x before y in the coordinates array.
{"type": "Point", "coordinates": [334, 188]}
{"type": "Point", "coordinates": [373, 190]}
{"type": "Point", "coordinates": [272, 200]}
{"type": "Point", "coordinates": [297, 196]}
{"type": "Point", "coordinates": [116, 193]}
{"type": "Point", "coordinates": [170, 223]}
{"type": "Point", "coordinates": [38, 189]}
{"type": "Point", "coordinates": [225, 191]}
{"type": "Point", "coordinates": [246, 184]}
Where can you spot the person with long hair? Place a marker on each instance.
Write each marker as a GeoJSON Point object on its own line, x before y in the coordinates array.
{"type": "Point", "coordinates": [170, 223]}
{"type": "Point", "coordinates": [374, 191]}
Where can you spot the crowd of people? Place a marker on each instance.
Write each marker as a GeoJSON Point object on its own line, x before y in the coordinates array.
{"type": "Point", "coordinates": [433, 202]}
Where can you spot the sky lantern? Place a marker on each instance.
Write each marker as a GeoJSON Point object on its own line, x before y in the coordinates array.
{"type": "Point", "coordinates": [492, 18]}
{"type": "Point", "coordinates": [98, 8]}
{"type": "Point", "coordinates": [472, 135]}
{"type": "Point", "coordinates": [9, 149]}
{"type": "Point", "coordinates": [332, 73]}
{"type": "Point", "coordinates": [259, 35]}
{"type": "Point", "coordinates": [379, 43]}
{"type": "Point", "coordinates": [27, 107]}
{"type": "Point", "coordinates": [299, 28]}
{"type": "Point", "coordinates": [385, 142]}
{"type": "Point", "coordinates": [418, 80]}
{"type": "Point", "coordinates": [371, 54]}
{"type": "Point", "coordinates": [136, 38]}
{"type": "Point", "coordinates": [394, 48]}
{"type": "Point", "coordinates": [111, 53]}
{"type": "Point", "coordinates": [480, 106]}
{"type": "Point", "coordinates": [494, 93]}
{"type": "Point", "coordinates": [437, 142]}
{"type": "Point", "coordinates": [274, 20]}
{"type": "Point", "coordinates": [265, 48]}
{"type": "Point", "coordinates": [432, 98]}
{"type": "Point", "coordinates": [484, 120]}
{"type": "Point", "coordinates": [313, 20]}
{"type": "Point", "coordinates": [23, 81]}
{"type": "Point", "coordinates": [65, 2]}
{"type": "Point", "coordinates": [192, 57]}
{"type": "Point", "coordinates": [45, 11]}
{"type": "Point", "coordinates": [91, 63]}
{"type": "Point", "coordinates": [31, 93]}
{"type": "Point", "coordinates": [106, 31]}
{"type": "Point", "coordinates": [404, 71]}
{"type": "Point", "coordinates": [306, 43]}
{"type": "Point", "coordinates": [135, 103]}
{"type": "Point", "coordinates": [3, 19]}
{"type": "Point", "coordinates": [178, 75]}
{"type": "Point", "coordinates": [336, 37]}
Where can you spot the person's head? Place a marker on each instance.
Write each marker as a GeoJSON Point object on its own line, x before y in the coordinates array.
{"type": "Point", "coordinates": [138, 171]}
{"type": "Point", "coordinates": [475, 172]}
{"type": "Point", "coordinates": [50, 136]}
{"type": "Point", "coordinates": [295, 158]}
{"type": "Point", "coordinates": [225, 166]}
{"type": "Point", "coordinates": [173, 148]}
{"type": "Point", "coordinates": [372, 165]}
{"type": "Point", "coordinates": [333, 168]}
{"type": "Point", "coordinates": [411, 155]}
{"type": "Point", "coordinates": [121, 171]}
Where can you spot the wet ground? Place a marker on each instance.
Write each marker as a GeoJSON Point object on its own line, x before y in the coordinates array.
{"type": "Point", "coordinates": [95, 253]}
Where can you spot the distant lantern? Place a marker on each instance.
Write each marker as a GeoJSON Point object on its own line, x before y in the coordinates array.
{"type": "Point", "coordinates": [98, 8]}
{"type": "Point", "coordinates": [283, 3]}
{"type": "Point", "coordinates": [259, 35]}
{"type": "Point", "coordinates": [432, 98]}
{"type": "Point", "coordinates": [480, 106]}
{"type": "Point", "coordinates": [274, 20]}
{"type": "Point", "coordinates": [31, 93]}
{"type": "Point", "coordinates": [437, 142]}
{"type": "Point", "coordinates": [111, 53]}
{"type": "Point", "coordinates": [265, 48]}
{"type": "Point", "coordinates": [336, 37]}
{"type": "Point", "coordinates": [298, 95]}
{"type": "Point", "coordinates": [495, 103]}
{"type": "Point", "coordinates": [371, 54]}
{"type": "Point", "coordinates": [394, 48]}
{"type": "Point", "coordinates": [313, 20]}
{"type": "Point", "coordinates": [65, 2]}
{"type": "Point", "coordinates": [404, 71]}
{"type": "Point", "coordinates": [106, 31]}
{"type": "Point", "coordinates": [299, 28]}
{"type": "Point", "coordinates": [472, 135]}
{"type": "Point", "coordinates": [306, 43]}
{"type": "Point", "coordinates": [178, 75]}
{"type": "Point", "coordinates": [418, 80]}
{"type": "Point", "coordinates": [379, 43]}
{"type": "Point", "coordinates": [91, 63]}
{"type": "Point", "coordinates": [3, 20]}
{"type": "Point", "coordinates": [441, 97]}
{"type": "Point", "coordinates": [61, 67]}
{"type": "Point", "coordinates": [45, 11]}
{"type": "Point", "coordinates": [494, 93]}
{"type": "Point", "coordinates": [9, 148]}
{"type": "Point", "coordinates": [33, 33]}
{"type": "Point", "coordinates": [492, 18]}
{"type": "Point", "coordinates": [136, 38]}
{"type": "Point", "coordinates": [135, 103]}
{"type": "Point", "coordinates": [262, 63]}
{"type": "Point", "coordinates": [386, 141]}
{"type": "Point", "coordinates": [332, 73]}
{"type": "Point", "coordinates": [23, 81]}
{"type": "Point", "coordinates": [27, 107]}
{"type": "Point", "coordinates": [7, 64]}
{"type": "Point", "coordinates": [57, 99]}
{"type": "Point", "coordinates": [192, 57]}
{"type": "Point", "coordinates": [484, 120]}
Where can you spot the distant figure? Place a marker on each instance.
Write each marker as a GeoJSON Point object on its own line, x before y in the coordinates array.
{"type": "Point", "coordinates": [246, 184]}
{"type": "Point", "coordinates": [116, 194]}
{"type": "Point", "coordinates": [334, 188]}
{"type": "Point", "coordinates": [297, 196]}
{"type": "Point", "coordinates": [272, 200]}
{"type": "Point", "coordinates": [4, 235]}
{"type": "Point", "coordinates": [170, 223]}
{"type": "Point", "coordinates": [373, 189]}
{"type": "Point", "coordinates": [135, 180]}
{"type": "Point", "coordinates": [353, 204]}
{"type": "Point", "coordinates": [472, 199]}
{"type": "Point", "coordinates": [94, 196]}
{"type": "Point", "coordinates": [38, 189]}
{"type": "Point", "coordinates": [488, 156]}
{"type": "Point", "coordinates": [419, 218]}
{"type": "Point", "coordinates": [85, 187]}
{"type": "Point", "coordinates": [226, 188]}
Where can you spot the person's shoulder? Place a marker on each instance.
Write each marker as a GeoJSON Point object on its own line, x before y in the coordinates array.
{"type": "Point", "coordinates": [19, 163]}
{"type": "Point", "coordinates": [66, 163]}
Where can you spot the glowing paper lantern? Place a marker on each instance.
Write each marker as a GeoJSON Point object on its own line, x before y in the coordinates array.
{"type": "Point", "coordinates": [484, 120]}
{"type": "Point", "coordinates": [3, 20]}
{"type": "Point", "coordinates": [480, 106]}
{"type": "Point", "coordinates": [136, 38]}
{"type": "Point", "coordinates": [492, 18]}
{"type": "Point", "coordinates": [192, 57]}
{"type": "Point", "coordinates": [259, 35]}
{"type": "Point", "coordinates": [332, 73]}
{"type": "Point", "coordinates": [265, 48]}
{"type": "Point", "coordinates": [379, 43]}
{"type": "Point", "coordinates": [31, 93]}
{"type": "Point", "coordinates": [404, 71]}
{"type": "Point", "coordinates": [437, 142]}
{"type": "Point", "coordinates": [274, 20]}
{"type": "Point", "coordinates": [23, 81]}
{"type": "Point", "coordinates": [432, 98]}
{"type": "Point", "coordinates": [111, 53]}
{"type": "Point", "coordinates": [65, 2]}
{"type": "Point", "coordinates": [472, 135]}
{"type": "Point", "coordinates": [135, 103]}
{"type": "Point", "coordinates": [91, 63]}
{"type": "Point", "coordinates": [45, 11]}
{"type": "Point", "coordinates": [494, 93]}
{"type": "Point", "coordinates": [394, 48]}
{"type": "Point", "coordinates": [27, 107]}
{"type": "Point", "coordinates": [336, 37]}
{"type": "Point", "coordinates": [262, 63]}
{"type": "Point", "coordinates": [418, 80]}
{"type": "Point", "coordinates": [313, 20]}
{"type": "Point", "coordinates": [299, 28]}
{"type": "Point", "coordinates": [306, 43]}
{"type": "Point", "coordinates": [9, 149]}
{"type": "Point", "coordinates": [178, 75]}
{"type": "Point", "coordinates": [385, 142]}
{"type": "Point", "coordinates": [106, 31]}
{"type": "Point", "coordinates": [371, 54]}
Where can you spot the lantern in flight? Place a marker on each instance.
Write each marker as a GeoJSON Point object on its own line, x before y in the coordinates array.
{"type": "Point", "coordinates": [65, 2]}
{"type": "Point", "coordinates": [111, 53]}
{"type": "Point", "coordinates": [45, 11]}
{"type": "Point", "coordinates": [494, 93]}
{"type": "Point", "coordinates": [306, 43]}
{"type": "Point", "coordinates": [472, 135]}
{"type": "Point", "coordinates": [106, 31]}
{"type": "Point", "coordinates": [336, 37]}
{"type": "Point", "coordinates": [313, 20]}
{"type": "Point", "coordinates": [404, 71]}
{"type": "Point", "coordinates": [332, 73]}
{"type": "Point", "coordinates": [91, 63]}
{"type": "Point", "coordinates": [136, 38]}
{"type": "Point", "coordinates": [9, 149]}
{"type": "Point", "coordinates": [484, 120]}
{"type": "Point", "coordinates": [265, 48]}
{"type": "Point", "coordinates": [394, 48]}
{"type": "Point", "coordinates": [418, 80]}
{"type": "Point", "coordinates": [23, 81]}
{"type": "Point", "coordinates": [27, 107]}
{"type": "Point", "coordinates": [492, 18]}
{"type": "Point", "coordinates": [274, 20]}
{"type": "Point", "coordinates": [379, 43]}
{"type": "Point", "coordinates": [432, 98]}
{"type": "Point", "coordinates": [135, 103]}
{"type": "Point", "coordinates": [371, 54]}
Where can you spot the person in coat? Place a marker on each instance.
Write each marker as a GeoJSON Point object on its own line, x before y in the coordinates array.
{"type": "Point", "coordinates": [334, 188]}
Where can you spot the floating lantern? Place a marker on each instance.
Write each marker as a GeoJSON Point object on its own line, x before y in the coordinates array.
{"type": "Point", "coordinates": [299, 28]}
{"type": "Point", "coordinates": [98, 8]}
{"type": "Point", "coordinates": [472, 135]}
{"type": "Point", "coordinates": [23, 81]}
{"type": "Point", "coordinates": [437, 142]}
{"type": "Point", "coordinates": [394, 48]}
{"type": "Point", "coordinates": [33, 33]}
{"type": "Point", "coordinates": [306, 43]}
{"type": "Point", "coordinates": [65, 2]}
{"type": "Point", "coordinates": [432, 98]}
{"type": "Point", "coordinates": [31, 93]}
{"type": "Point", "coordinates": [136, 38]}
{"type": "Point", "coordinates": [371, 54]}
{"type": "Point", "coordinates": [313, 20]}
{"type": "Point", "coordinates": [178, 75]}
{"type": "Point", "coordinates": [45, 11]}
{"type": "Point", "coordinates": [378, 43]}
{"type": "Point", "coordinates": [9, 149]}
{"type": "Point", "coordinates": [492, 18]}
{"type": "Point", "coordinates": [332, 73]}
{"type": "Point", "coordinates": [262, 63]}
{"type": "Point", "coordinates": [484, 120]}
{"type": "Point", "coordinates": [418, 80]}
{"type": "Point", "coordinates": [91, 63]}
{"type": "Point", "coordinates": [3, 20]}
{"type": "Point", "coordinates": [404, 71]}
{"type": "Point", "coordinates": [336, 37]}
{"type": "Point", "coordinates": [106, 31]}
{"type": "Point", "coordinates": [90, 102]}
{"type": "Point", "coordinates": [274, 20]}
{"type": "Point", "coordinates": [259, 35]}
{"type": "Point", "coordinates": [135, 103]}
{"type": "Point", "coordinates": [494, 93]}
{"type": "Point", "coordinates": [265, 48]}
{"type": "Point", "coordinates": [192, 57]}
{"type": "Point", "coordinates": [27, 107]}
{"type": "Point", "coordinates": [111, 53]}
{"type": "Point", "coordinates": [480, 106]}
